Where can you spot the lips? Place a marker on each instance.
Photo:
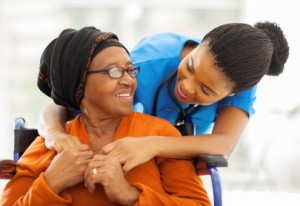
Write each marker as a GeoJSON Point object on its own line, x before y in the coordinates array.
{"type": "Point", "coordinates": [181, 92]}
{"type": "Point", "coordinates": [123, 95]}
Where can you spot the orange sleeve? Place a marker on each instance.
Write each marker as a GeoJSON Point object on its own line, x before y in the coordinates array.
{"type": "Point", "coordinates": [181, 183]}
{"type": "Point", "coordinates": [28, 186]}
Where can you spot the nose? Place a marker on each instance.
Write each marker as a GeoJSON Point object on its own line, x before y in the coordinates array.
{"type": "Point", "coordinates": [127, 80]}
{"type": "Point", "coordinates": [188, 87]}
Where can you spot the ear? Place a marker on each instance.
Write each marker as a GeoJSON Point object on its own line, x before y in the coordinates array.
{"type": "Point", "coordinates": [232, 94]}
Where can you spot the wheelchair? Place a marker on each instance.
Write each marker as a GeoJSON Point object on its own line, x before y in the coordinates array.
{"type": "Point", "coordinates": [23, 137]}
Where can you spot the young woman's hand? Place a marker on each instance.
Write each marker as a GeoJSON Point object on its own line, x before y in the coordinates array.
{"type": "Point", "coordinates": [68, 167]}
{"type": "Point", "coordinates": [107, 171]}
{"type": "Point", "coordinates": [61, 141]}
{"type": "Point", "coordinates": [131, 151]}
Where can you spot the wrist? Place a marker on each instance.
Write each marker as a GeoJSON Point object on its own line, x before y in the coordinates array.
{"type": "Point", "coordinates": [130, 196]}
{"type": "Point", "coordinates": [53, 132]}
{"type": "Point", "coordinates": [55, 185]}
{"type": "Point", "coordinates": [155, 147]}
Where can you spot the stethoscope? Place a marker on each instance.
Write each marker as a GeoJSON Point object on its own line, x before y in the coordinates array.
{"type": "Point", "coordinates": [184, 117]}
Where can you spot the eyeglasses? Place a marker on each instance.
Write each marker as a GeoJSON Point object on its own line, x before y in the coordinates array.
{"type": "Point", "coordinates": [118, 72]}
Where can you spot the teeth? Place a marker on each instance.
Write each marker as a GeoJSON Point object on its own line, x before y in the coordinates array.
{"type": "Point", "coordinates": [123, 95]}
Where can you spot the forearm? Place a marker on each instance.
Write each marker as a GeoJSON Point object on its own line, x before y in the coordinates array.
{"type": "Point", "coordinates": [52, 118]}
{"type": "Point", "coordinates": [226, 132]}
{"type": "Point", "coordinates": [21, 191]}
{"type": "Point", "coordinates": [130, 196]}
{"type": "Point", "coordinates": [149, 196]}
{"type": "Point", "coordinates": [191, 146]}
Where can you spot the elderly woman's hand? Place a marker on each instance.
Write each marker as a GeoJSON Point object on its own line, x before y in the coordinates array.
{"type": "Point", "coordinates": [131, 152]}
{"type": "Point", "coordinates": [107, 171]}
{"type": "Point", "coordinates": [68, 167]}
{"type": "Point", "coordinates": [61, 141]}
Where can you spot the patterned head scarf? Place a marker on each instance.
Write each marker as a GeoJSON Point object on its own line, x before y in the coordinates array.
{"type": "Point", "coordinates": [64, 63]}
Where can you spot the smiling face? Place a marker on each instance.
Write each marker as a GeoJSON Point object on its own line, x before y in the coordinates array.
{"type": "Point", "coordinates": [105, 96]}
{"type": "Point", "coordinates": [199, 80]}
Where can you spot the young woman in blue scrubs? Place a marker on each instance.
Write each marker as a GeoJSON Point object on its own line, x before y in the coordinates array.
{"type": "Point", "coordinates": [206, 88]}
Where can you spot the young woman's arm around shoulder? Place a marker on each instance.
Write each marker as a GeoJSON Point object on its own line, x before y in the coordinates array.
{"type": "Point", "coordinates": [227, 130]}
{"type": "Point", "coordinates": [52, 126]}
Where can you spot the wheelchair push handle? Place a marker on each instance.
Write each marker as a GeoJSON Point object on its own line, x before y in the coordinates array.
{"type": "Point", "coordinates": [20, 123]}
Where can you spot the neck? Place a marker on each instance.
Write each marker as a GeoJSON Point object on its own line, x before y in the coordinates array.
{"type": "Point", "coordinates": [103, 126]}
{"type": "Point", "coordinates": [101, 131]}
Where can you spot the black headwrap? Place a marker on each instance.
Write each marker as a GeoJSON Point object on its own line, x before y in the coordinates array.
{"type": "Point", "coordinates": [65, 61]}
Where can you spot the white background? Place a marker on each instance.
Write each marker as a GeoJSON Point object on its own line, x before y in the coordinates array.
{"type": "Point", "coordinates": [264, 168]}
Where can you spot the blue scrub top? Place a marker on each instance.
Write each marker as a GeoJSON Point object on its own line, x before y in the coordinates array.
{"type": "Point", "coordinates": [159, 56]}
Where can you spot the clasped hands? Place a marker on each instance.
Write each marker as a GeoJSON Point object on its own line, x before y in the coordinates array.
{"type": "Point", "coordinates": [130, 151]}
{"type": "Point", "coordinates": [78, 164]}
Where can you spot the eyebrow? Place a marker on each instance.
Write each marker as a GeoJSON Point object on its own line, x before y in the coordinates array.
{"type": "Point", "coordinates": [207, 87]}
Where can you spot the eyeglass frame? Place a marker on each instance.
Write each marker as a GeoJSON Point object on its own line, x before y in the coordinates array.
{"type": "Point", "coordinates": [107, 71]}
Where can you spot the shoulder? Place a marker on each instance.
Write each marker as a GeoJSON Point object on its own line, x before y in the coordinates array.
{"type": "Point", "coordinates": [161, 39]}
{"type": "Point", "coordinates": [37, 157]}
{"type": "Point", "coordinates": [243, 100]}
{"type": "Point", "coordinates": [154, 125]}
{"type": "Point", "coordinates": [149, 118]}
{"type": "Point", "coordinates": [161, 45]}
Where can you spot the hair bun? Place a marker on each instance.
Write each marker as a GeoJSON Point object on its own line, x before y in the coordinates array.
{"type": "Point", "coordinates": [280, 45]}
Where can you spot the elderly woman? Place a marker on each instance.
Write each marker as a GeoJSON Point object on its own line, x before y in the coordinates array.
{"type": "Point", "coordinates": [78, 69]}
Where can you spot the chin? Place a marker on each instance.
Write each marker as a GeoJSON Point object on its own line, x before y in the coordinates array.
{"type": "Point", "coordinates": [126, 112]}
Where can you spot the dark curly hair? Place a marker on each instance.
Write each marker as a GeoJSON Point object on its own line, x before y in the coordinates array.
{"type": "Point", "coordinates": [246, 53]}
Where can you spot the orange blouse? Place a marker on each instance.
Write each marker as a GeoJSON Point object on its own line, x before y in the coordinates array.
{"type": "Point", "coordinates": [161, 181]}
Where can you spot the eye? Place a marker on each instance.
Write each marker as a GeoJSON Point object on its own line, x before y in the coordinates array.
{"type": "Point", "coordinates": [115, 71]}
{"type": "Point", "coordinates": [205, 90]}
{"type": "Point", "coordinates": [189, 65]}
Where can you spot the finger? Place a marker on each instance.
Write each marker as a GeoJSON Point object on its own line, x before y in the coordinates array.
{"type": "Point", "coordinates": [90, 171]}
{"type": "Point", "coordinates": [49, 144]}
{"type": "Point", "coordinates": [100, 158]}
{"type": "Point", "coordinates": [84, 159]}
{"type": "Point", "coordinates": [61, 145]}
{"type": "Point", "coordinates": [95, 163]}
{"type": "Point", "coordinates": [77, 141]}
{"type": "Point", "coordinates": [83, 147]}
{"type": "Point", "coordinates": [112, 153]}
{"type": "Point", "coordinates": [84, 152]}
{"type": "Point", "coordinates": [127, 167]}
{"type": "Point", "coordinates": [88, 155]}
{"type": "Point", "coordinates": [121, 159]}
{"type": "Point", "coordinates": [92, 177]}
{"type": "Point", "coordinates": [72, 141]}
{"type": "Point", "coordinates": [58, 147]}
{"type": "Point", "coordinates": [89, 184]}
{"type": "Point", "coordinates": [108, 148]}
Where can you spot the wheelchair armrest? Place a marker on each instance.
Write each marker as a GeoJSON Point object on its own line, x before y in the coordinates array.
{"type": "Point", "coordinates": [204, 162]}
{"type": "Point", "coordinates": [7, 168]}
{"type": "Point", "coordinates": [23, 138]}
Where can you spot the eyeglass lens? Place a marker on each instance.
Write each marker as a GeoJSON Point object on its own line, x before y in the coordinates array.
{"type": "Point", "coordinates": [119, 72]}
